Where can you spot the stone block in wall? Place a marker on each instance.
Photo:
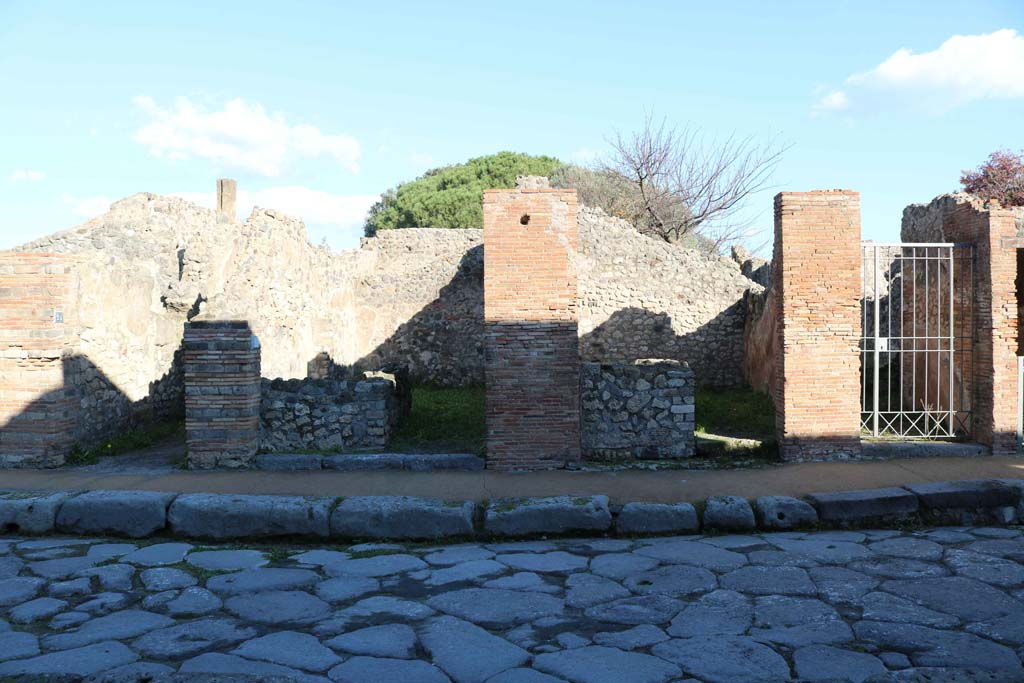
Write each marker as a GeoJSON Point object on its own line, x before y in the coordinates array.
{"type": "Point", "coordinates": [637, 410]}
{"type": "Point", "coordinates": [333, 414]}
{"type": "Point", "coordinates": [222, 394]}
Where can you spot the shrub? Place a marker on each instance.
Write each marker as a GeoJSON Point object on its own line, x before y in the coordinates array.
{"type": "Point", "coordinates": [1001, 177]}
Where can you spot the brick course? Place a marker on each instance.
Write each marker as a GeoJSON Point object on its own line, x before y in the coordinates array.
{"type": "Point", "coordinates": [531, 328]}
{"type": "Point", "coordinates": [817, 279]}
{"type": "Point", "coordinates": [222, 394]}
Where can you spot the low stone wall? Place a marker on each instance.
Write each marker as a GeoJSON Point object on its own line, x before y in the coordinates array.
{"type": "Point", "coordinates": [637, 410]}
{"type": "Point", "coordinates": [328, 414]}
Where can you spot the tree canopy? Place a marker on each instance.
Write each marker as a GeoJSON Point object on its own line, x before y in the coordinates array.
{"type": "Point", "coordinates": [451, 196]}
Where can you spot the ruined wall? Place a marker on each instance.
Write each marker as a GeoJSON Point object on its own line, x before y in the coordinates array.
{"type": "Point", "coordinates": [996, 234]}
{"type": "Point", "coordinates": [414, 296]}
{"type": "Point", "coordinates": [326, 414]}
{"type": "Point", "coordinates": [643, 298]}
{"type": "Point", "coordinates": [637, 410]}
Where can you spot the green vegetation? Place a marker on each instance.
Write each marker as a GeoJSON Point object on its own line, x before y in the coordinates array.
{"type": "Point", "coordinates": [142, 437]}
{"type": "Point", "coordinates": [443, 419]}
{"type": "Point", "coordinates": [450, 197]}
{"type": "Point", "coordinates": [735, 424]}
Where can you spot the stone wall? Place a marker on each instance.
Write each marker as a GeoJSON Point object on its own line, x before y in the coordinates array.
{"type": "Point", "coordinates": [412, 296]}
{"type": "Point", "coordinates": [332, 414]}
{"type": "Point", "coordinates": [637, 410]}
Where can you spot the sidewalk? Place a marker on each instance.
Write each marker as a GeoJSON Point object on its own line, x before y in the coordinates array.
{"type": "Point", "coordinates": [620, 487]}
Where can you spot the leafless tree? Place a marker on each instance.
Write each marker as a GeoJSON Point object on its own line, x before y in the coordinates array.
{"type": "Point", "coordinates": [686, 185]}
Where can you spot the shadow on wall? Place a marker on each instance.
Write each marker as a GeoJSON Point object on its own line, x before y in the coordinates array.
{"type": "Point", "coordinates": [449, 328]}
{"type": "Point", "coordinates": [443, 343]}
{"type": "Point", "coordinates": [653, 336]}
{"type": "Point", "coordinates": [84, 409]}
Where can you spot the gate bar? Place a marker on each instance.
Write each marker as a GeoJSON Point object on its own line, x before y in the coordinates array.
{"type": "Point", "coordinates": [877, 323]}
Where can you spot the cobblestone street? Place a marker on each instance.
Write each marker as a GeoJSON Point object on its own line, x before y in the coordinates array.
{"type": "Point", "coordinates": [844, 606]}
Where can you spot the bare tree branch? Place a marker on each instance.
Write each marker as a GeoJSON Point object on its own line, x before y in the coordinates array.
{"type": "Point", "coordinates": [686, 185]}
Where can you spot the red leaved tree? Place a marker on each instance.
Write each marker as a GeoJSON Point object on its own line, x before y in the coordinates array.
{"type": "Point", "coordinates": [1000, 178]}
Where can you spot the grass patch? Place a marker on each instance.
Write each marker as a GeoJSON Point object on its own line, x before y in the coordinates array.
{"type": "Point", "coordinates": [142, 437]}
{"type": "Point", "coordinates": [443, 420]}
{"type": "Point", "coordinates": [735, 425]}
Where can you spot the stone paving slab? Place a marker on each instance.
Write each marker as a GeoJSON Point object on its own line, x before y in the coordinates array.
{"type": "Point", "coordinates": [883, 606]}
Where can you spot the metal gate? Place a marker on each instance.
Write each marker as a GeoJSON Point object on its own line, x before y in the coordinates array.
{"type": "Point", "coordinates": [917, 341]}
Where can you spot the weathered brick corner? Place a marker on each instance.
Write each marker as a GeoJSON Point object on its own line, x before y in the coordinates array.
{"type": "Point", "coordinates": [817, 280]}
{"type": "Point", "coordinates": [37, 337]}
{"type": "Point", "coordinates": [532, 361]}
{"type": "Point", "coordinates": [222, 394]}
{"type": "Point", "coordinates": [993, 231]}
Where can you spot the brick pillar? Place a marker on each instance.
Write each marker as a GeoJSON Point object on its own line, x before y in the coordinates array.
{"type": "Point", "coordinates": [226, 192]}
{"type": "Point", "coordinates": [531, 332]}
{"type": "Point", "coordinates": [222, 394]}
{"type": "Point", "coordinates": [817, 278]}
{"type": "Point", "coordinates": [994, 234]}
{"type": "Point", "coordinates": [37, 336]}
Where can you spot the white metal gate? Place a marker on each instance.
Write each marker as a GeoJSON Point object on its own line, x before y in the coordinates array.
{"type": "Point", "coordinates": [916, 345]}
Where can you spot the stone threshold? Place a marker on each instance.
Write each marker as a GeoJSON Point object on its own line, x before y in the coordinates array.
{"type": "Point", "coordinates": [351, 462]}
{"type": "Point", "coordinates": [139, 514]}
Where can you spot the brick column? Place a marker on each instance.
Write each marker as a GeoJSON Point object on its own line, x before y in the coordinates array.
{"type": "Point", "coordinates": [222, 394]}
{"type": "Point", "coordinates": [817, 279]}
{"type": "Point", "coordinates": [531, 332]}
{"type": "Point", "coordinates": [37, 336]}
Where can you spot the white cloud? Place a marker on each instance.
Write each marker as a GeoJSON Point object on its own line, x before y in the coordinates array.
{"type": "Point", "coordinates": [88, 207]}
{"type": "Point", "coordinates": [312, 206]}
{"type": "Point", "coordinates": [834, 101]}
{"type": "Point", "coordinates": [24, 174]}
{"type": "Point", "coordinates": [961, 70]}
{"type": "Point", "coordinates": [242, 135]}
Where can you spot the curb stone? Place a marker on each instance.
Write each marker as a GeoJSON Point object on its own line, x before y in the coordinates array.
{"type": "Point", "coordinates": [121, 513]}
{"type": "Point", "coordinates": [401, 517]}
{"type": "Point", "coordinates": [977, 493]}
{"type": "Point", "coordinates": [412, 462]}
{"type": "Point", "coordinates": [30, 512]}
{"type": "Point", "coordinates": [288, 462]}
{"type": "Point", "coordinates": [223, 516]}
{"type": "Point", "coordinates": [557, 514]}
{"type": "Point", "coordinates": [865, 505]}
{"type": "Point", "coordinates": [657, 518]}
{"type": "Point", "coordinates": [228, 516]}
{"type": "Point", "coordinates": [782, 513]}
{"type": "Point", "coordinates": [728, 513]}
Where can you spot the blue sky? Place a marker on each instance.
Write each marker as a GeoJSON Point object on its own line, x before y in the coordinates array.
{"type": "Point", "coordinates": [317, 107]}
